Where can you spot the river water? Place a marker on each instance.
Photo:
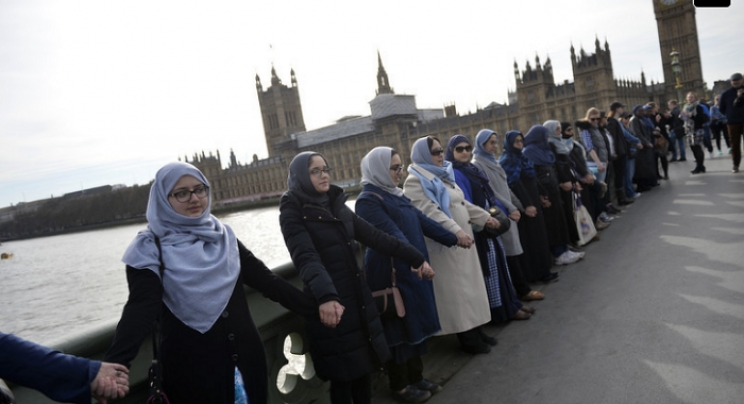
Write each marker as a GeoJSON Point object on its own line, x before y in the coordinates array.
{"type": "Point", "coordinates": [57, 286]}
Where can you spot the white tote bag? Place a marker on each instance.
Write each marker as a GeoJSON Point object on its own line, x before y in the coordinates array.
{"type": "Point", "coordinates": [584, 223]}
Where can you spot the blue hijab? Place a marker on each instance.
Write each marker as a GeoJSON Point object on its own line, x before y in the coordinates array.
{"type": "Point", "coordinates": [434, 189]}
{"type": "Point", "coordinates": [471, 171]}
{"type": "Point", "coordinates": [201, 257]}
{"type": "Point", "coordinates": [536, 146]}
{"type": "Point", "coordinates": [513, 161]}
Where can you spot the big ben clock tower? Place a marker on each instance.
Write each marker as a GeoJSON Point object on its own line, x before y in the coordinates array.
{"type": "Point", "coordinates": [675, 20]}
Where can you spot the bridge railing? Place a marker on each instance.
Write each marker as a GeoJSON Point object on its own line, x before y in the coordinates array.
{"type": "Point", "coordinates": [292, 377]}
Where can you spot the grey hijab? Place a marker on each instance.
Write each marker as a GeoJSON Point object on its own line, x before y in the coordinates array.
{"type": "Point", "coordinates": [201, 257]}
{"type": "Point", "coordinates": [376, 170]}
{"type": "Point", "coordinates": [556, 140]}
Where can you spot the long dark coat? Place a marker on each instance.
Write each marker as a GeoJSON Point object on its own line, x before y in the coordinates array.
{"type": "Point", "coordinates": [397, 217]}
{"type": "Point", "coordinates": [555, 219]}
{"type": "Point", "coordinates": [322, 246]}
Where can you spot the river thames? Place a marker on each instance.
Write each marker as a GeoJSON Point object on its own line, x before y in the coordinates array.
{"type": "Point", "coordinates": [58, 286]}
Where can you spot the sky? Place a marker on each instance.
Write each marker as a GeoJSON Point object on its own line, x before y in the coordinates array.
{"type": "Point", "coordinates": [101, 93]}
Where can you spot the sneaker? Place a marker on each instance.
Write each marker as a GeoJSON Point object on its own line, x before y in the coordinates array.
{"type": "Point", "coordinates": [412, 395]}
{"type": "Point", "coordinates": [735, 170]}
{"type": "Point", "coordinates": [637, 195]}
{"type": "Point", "coordinates": [579, 254]}
{"type": "Point", "coordinates": [428, 385]}
{"type": "Point", "coordinates": [600, 225]}
{"type": "Point", "coordinates": [605, 217]}
{"type": "Point", "coordinates": [565, 259]}
{"type": "Point", "coordinates": [720, 153]}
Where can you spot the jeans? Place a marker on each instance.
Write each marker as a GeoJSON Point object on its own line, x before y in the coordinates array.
{"type": "Point", "coordinates": [401, 375]}
{"type": "Point", "coordinates": [629, 173]}
{"type": "Point", "coordinates": [718, 130]}
{"type": "Point", "coordinates": [680, 142]}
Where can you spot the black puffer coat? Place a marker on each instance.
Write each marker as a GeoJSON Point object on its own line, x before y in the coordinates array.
{"type": "Point", "coordinates": [322, 247]}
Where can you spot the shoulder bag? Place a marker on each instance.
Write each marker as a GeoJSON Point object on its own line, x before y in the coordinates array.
{"type": "Point", "coordinates": [157, 395]}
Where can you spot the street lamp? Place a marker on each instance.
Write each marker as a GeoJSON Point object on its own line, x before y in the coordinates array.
{"type": "Point", "coordinates": [677, 70]}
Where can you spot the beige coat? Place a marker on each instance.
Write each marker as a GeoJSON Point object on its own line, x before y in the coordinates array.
{"type": "Point", "coordinates": [459, 289]}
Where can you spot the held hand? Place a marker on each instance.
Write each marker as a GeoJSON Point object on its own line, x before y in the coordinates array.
{"type": "Point", "coordinates": [589, 179]}
{"type": "Point", "coordinates": [330, 313]}
{"type": "Point", "coordinates": [515, 215]}
{"type": "Point", "coordinates": [639, 146]}
{"type": "Point", "coordinates": [601, 167]}
{"type": "Point", "coordinates": [545, 202]}
{"type": "Point", "coordinates": [658, 118]}
{"type": "Point", "coordinates": [424, 271]}
{"type": "Point", "coordinates": [566, 186]}
{"type": "Point", "coordinates": [492, 223]}
{"type": "Point", "coordinates": [111, 382]}
{"type": "Point", "coordinates": [463, 240]}
{"type": "Point", "coordinates": [530, 211]}
{"type": "Point", "coordinates": [578, 187]}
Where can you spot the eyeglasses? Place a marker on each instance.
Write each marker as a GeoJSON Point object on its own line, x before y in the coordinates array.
{"type": "Point", "coordinates": [437, 152]}
{"type": "Point", "coordinates": [461, 149]}
{"type": "Point", "coordinates": [398, 169]}
{"type": "Point", "coordinates": [184, 195]}
{"type": "Point", "coordinates": [593, 119]}
{"type": "Point", "coordinates": [317, 171]}
{"type": "Point", "coordinates": [519, 140]}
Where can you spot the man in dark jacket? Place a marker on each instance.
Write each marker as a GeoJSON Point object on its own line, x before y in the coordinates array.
{"type": "Point", "coordinates": [732, 105]}
{"type": "Point", "coordinates": [621, 151]}
{"type": "Point", "coordinates": [677, 134]}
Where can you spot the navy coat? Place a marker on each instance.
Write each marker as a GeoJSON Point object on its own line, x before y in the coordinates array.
{"type": "Point", "coordinates": [60, 377]}
{"type": "Point", "coordinates": [397, 217]}
{"type": "Point", "coordinates": [321, 244]}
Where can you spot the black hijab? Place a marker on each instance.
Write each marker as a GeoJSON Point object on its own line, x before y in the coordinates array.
{"type": "Point", "coordinates": [299, 183]}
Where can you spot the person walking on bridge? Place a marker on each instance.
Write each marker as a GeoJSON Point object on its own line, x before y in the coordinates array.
{"type": "Point", "coordinates": [732, 105]}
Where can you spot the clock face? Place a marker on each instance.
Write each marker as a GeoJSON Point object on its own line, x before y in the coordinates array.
{"type": "Point", "coordinates": [669, 2]}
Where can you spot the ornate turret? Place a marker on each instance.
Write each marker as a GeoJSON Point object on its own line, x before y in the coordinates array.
{"type": "Point", "coordinates": [293, 78]}
{"type": "Point", "coordinates": [259, 88]}
{"type": "Point", "coordinates": [383, 84]}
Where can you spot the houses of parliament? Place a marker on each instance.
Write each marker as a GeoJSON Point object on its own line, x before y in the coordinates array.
{"type": "Point", "coordinates": [396, 121]}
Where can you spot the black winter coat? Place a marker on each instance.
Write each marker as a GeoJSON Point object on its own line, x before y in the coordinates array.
{"type": "Point", "coordinates": [621, 145]}
{"type": "Point", "coordinates": [321, 244]}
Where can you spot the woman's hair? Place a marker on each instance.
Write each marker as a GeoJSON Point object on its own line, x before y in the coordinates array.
{"type": "Point", "coordinates": [430, 141]}
{"type": "Point", "coordinates": [393, 152]}
{"type": "Point", "coordinates": [310, 160]}
{"type": "Point", "coordinates": [693, 94]}
{"type": "Point", "coordinates": [591, 111]}
{"type": "Point", "coordinates": [602, 114]}
{"type": "Point", "coordinates": [652, 104]}
{"type": "Point", "coordinates": [564, 126]}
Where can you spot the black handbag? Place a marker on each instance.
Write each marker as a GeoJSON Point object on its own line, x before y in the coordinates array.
{"type": "Point", "coordinates": [504, 222]}
{"type": "Point", "coordinates": [157, 395]}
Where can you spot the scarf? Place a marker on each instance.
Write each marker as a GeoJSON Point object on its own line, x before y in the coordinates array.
{"type": "Point", "coordinates": [536, 147]}
{"type": "Point", "coordinates": [376, 170]}
{"type": "Point", "coordinates": [200, 254]}
{"type": "Point", "coordinates": [434, 189]}
{"type": "Point", "coordinates": [513, 161]}
{"type": "Point", "coordinates": [473, 173]}
{"type": "Point", "coordinates": [554, 139]}
{"type": "Point", "coordinates": [299, 183]}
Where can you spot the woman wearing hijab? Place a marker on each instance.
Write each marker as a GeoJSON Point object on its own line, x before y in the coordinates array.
{"type": "Point", "coordinates": [347, 342]}
{"type": "Point", "coordinates": [521, 269]}
{"type": "Point", "coordinates": [502, 297]}
{"type": "Point", "coordinates": [695, 119]}
{"type": "Point", "coordinates": [567, 182]}
{"type": "Point", "coordinates": [208, 338]}
{"type": "Point", "coordinates": [462, 301]}
{"type": "Point", "coordinates": [383, 205]}
{"type": "Point", "coordinates": [590, 189]}
{"type": "Point", "coordinates": [522, 179]}
{"type": "Point", "coordinates": [537, 151]}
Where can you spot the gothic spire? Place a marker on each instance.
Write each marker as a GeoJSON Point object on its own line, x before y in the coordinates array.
{"type": "Point", "coordinates": [383, 84]}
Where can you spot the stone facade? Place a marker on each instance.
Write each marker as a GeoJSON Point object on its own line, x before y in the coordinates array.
{"type": "Point", "coordinates": [396, 121]}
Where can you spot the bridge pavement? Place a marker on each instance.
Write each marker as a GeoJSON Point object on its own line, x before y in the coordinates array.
{"type": "Point", "coordinates": [653, 314]}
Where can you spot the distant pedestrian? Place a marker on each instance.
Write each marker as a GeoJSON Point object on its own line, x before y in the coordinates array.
{"type": "Point", "coordinates": [718, 125]}
{"type": "Point", "coordinates": [732, 105]}
{"type": "Point", "coordinates": [695, 119]}
{"type": "Point", "coordinates": [677, 134]}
